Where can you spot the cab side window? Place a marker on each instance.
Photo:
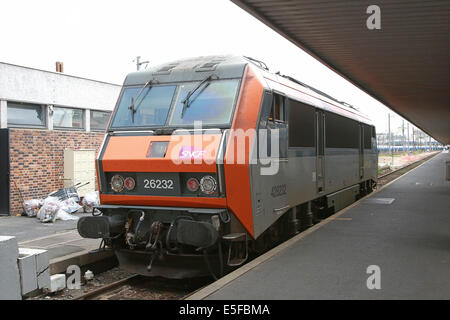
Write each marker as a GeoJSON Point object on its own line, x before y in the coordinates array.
{"type": "Point", "coordinates": [277, 112]}
{"type": "Point", "coordinates": [277, 120]}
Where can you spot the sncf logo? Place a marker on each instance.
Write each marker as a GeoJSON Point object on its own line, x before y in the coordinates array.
{"type": "Point", "coordinates": [189, 152]}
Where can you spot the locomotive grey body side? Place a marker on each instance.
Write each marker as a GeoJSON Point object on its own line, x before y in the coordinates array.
{"type": "Point", "coordinates": [318, 176]}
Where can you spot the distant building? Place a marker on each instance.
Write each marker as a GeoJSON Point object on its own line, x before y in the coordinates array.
{"type": "Point", "coordinates": [44, 113]}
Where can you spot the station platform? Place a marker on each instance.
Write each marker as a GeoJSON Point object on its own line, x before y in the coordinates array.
{"type": "Point", "coordinates": [402, 228]}
{"type": "Point", "coordinates": [60, 238]}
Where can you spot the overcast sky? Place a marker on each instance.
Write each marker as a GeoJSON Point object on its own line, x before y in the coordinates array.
{"type": "Point", "coordinates": [100, 39]}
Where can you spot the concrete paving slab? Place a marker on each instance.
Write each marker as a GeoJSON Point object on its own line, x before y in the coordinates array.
{"type": "Point", "coordinates": [61, 251]}
{"type": "Point", "coordinates": [28, 275]}
{"type": "Point", "coordinates": [407, 239]}
{"type": "Point", "coordinates": [61, 239]}
{"type": "Point", "coordinates": [26, 228]}
{"type": "Point", "coordinates": [53, 240]}
{"type": "Point", "coordinates": [42, 263]}
{"type": "Point", "coordinates": [68, 248]}
{"type": "Point", "coordinates": [9, 271]}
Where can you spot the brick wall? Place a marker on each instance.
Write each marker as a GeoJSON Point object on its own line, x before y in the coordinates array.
{"type": "Point", "coordinates": [37, 160]}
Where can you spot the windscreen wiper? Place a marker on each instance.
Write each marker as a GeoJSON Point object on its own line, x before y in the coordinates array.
{"type": "Point", "coordinates": [131, 107]}
{"type": "Point", "coordinates": [190, 93]}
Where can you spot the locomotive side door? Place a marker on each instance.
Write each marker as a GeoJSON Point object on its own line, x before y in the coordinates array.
{"type": "Point", "coordinates": [320, 150]}
{"type": "Point", "coordinates": [276, 122]}
{"type": "Point", "coordinates": [361, 151]}
{"type": "Point", "coordinates": [269, 182]}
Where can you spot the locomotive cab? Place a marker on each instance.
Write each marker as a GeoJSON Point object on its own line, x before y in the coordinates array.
{"type": "Point", "coordinates": [161, 170]}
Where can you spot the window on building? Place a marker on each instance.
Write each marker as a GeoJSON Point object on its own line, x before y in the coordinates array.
{"type": "Point", "coordinates": [68, 118]}
{"type": "Point", "coordinates": [22, 114]}
{"type": "Point", "coordinates": [341, 132]}
{"type": "Point", "coordinates": [99, 120]}
{"type": "Point", "coordinates": [301, 124]}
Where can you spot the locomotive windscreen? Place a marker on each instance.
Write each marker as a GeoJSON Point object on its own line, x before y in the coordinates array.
{"type": "Point", "coordinates": [150, 108]}
{"type": "Point", "coordinates": [164, 105]}
{"type": "Point", "coordinates": [213, 103]}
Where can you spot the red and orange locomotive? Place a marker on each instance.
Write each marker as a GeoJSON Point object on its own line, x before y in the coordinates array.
{"type": "Point", "coordinates": [208, 160]}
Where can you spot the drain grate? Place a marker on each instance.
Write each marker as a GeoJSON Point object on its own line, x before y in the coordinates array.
{"type": "Point", "coordinates": [380, 200]}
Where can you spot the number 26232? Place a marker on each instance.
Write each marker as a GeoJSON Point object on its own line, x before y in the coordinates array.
{"type": "Point", "coordinates": [158, 184]}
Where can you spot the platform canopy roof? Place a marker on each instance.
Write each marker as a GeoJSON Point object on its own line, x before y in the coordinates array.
{"type": "Point", "coordinates": [405, 64]}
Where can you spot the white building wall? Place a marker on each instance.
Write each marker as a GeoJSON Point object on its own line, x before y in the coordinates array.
{"type": "Point", "coordinates": [3, 114]}
{"type": "Point", "coordinates": [24, 84]}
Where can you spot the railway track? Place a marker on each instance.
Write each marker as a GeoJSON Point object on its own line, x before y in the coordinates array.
{"type": "Point", "coordinates": [388, 177]}
{"type": "Point", "coordinates": [136, 287]}
{"type": "Point", "coordinates": [104, 291]}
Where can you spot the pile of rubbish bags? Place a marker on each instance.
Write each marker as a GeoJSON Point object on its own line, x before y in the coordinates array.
{"type": "Point", "coordinates": [53, 208]}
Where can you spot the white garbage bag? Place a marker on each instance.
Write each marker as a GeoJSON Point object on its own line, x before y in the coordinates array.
{"type": "Point", "coordinates": [53, 209]}
{"type": "Point", "coordinates": [90, 200]}
{"type": "Point", "coordinates": [32, 206]}
{"type": "Point", "coordinates": [49, 209]}
{"type": "Point", "coordinates": [70, 205]}
{"type": "Point", "coordinates": [64, 215]}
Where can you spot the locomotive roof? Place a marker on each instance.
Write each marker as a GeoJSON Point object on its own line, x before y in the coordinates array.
{"type": "Point", "coordinates": [232, 66]}
{"type": "Point", "coordinates": [191, 69]}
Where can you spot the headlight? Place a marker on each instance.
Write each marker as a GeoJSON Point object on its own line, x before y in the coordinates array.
{"type": "Point", "coordinates": [117, 183]}
{"type": "Point", "coordinates": [208, 184]}
{"type": "Point", "coordinates": [129, 183]}
{"type": "Point", "coordinates": [192, 184]}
